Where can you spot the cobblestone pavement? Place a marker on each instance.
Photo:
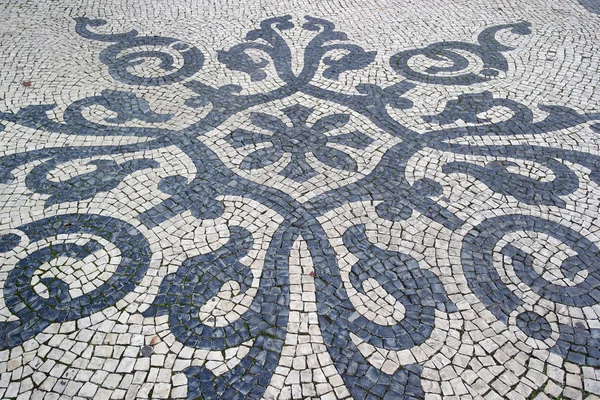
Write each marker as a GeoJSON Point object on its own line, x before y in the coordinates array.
{"type": "Point", "coordinates": [300, 199]}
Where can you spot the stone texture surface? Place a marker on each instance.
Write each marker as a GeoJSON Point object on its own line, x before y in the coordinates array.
{"type": "Point", "coordinates": [292, 200]}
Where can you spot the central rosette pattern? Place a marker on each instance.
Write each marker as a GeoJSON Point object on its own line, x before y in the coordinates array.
{"type": "Point", "coordinates": [299, 140]}
{"type": "Point", "coordinates": [304, 149]}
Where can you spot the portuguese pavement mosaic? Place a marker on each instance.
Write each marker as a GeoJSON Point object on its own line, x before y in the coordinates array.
{"type": "Point", "coordinates": [312, 200]}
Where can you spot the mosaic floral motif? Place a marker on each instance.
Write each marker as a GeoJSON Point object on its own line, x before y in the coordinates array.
{"type": "Point", "coordinates": [489, 50]}
{"type": "Point", "coordinates": [36, 312]}
{"type": "Point", "coordinates": [418, 296]}
{"type": "Point", "coordinates": [299, 140]}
